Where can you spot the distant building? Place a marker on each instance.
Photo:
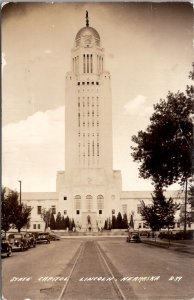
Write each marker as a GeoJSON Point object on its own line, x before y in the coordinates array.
{"type": "Point", "coordinates": [89, 190]}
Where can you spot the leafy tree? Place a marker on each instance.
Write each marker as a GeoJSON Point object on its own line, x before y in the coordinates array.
{"type": "Point", "coordinates": [160, 213]}
{"type": "Point", "coordinates": [125, 221]}
{"type": "Point", "coordinates": [165, 148]}
{"type": "Point", "coordinates": [114, 222]}
{"type": "Point", "coordinates": [52, 222]}
{"type": "Point", "coordinates": [58, 220]}
{"type": "Point", "coordinates": [9, 202]}
{"type": "Point", "coordinates": [13, 214]}
{"type": "Point", "coordinates": [22, 216]}
{"type": "Point", "coordinates": [46, 215]}
{"type": "Point", "coordinates": [119, 221]}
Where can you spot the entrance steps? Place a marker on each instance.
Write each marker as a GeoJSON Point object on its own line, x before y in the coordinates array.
{"type": "Point", "coordinates": [92, 233]}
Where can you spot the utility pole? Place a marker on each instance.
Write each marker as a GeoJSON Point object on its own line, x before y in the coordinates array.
{"type": "Point", "coordinates": [20, 182]}
{"type": "Point", "coordinates": [185, 212]}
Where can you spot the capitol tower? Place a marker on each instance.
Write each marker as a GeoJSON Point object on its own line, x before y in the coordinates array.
{"type": "Point", "coordinates": [89, 189]}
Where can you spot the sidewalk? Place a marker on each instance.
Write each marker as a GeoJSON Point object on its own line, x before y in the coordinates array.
{"type": "Point", "coordinates": [184, 246]}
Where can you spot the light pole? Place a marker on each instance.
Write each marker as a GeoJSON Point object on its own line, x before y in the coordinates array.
{"type": "Point", "coordinates": [20, 182]}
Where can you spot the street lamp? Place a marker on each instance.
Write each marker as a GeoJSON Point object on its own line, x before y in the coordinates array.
{"type": "Point", "coordinates": [20, 182]}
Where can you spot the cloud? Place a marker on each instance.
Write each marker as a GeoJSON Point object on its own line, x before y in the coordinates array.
{"type": "Point", "coordinates": [33, 150]}
{"type": "Point", "coordinates": [140, 109]}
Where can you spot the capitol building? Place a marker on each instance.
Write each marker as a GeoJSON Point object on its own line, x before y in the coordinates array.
{"type": "Point", "coordinates": [88, 190]}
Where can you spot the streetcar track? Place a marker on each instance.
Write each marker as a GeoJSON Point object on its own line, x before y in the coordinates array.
{"type": "Point", "coordinates": [117, 289]}
{"type": "Point", "coordinates": [114, 282]}
{"type": "Point", "coordinates": [71, 272]}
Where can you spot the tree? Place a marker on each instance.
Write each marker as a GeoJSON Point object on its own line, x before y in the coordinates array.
{"type": "Point", "coordinates": [52, 222]}
{"type": "Point", "coordinates": [9, 202]}
{"type": "Point", "coordinates": [119, 221]}
{"type": "Point", "coordinates": [58, 221]}
{"type": "Point", "coordinates": [114, 222]}
{"type": "Point", "coordinates": [105, 224]}
{"type": "Point", "coordinates": [46, 215]}
{"type": "Point", "coordinates": [13, 214]}
{"type": "Point", "coordinates": [22, 216]}
{"type": "Point", "coordinates": [160, 213]}
{"type": "Point", "coordinates": [125, 221]}
{"type": "Point", "coordinates": [67, 223]}
{"type": "Point", "coordinates": [165, 148]}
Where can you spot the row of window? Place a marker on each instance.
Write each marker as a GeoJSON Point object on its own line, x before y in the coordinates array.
{"type": "Point", "coordinates": [53, 209]}
{"type": "Point", "coordinates": [99, 212]}
{"type": "Point", "coordinates": [88, 83]}
{"type": "Point", "coordinates": [36, 226]}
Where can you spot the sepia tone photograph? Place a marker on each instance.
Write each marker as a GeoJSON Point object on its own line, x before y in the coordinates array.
{"type": "Point", "coordinates": [97, 197]}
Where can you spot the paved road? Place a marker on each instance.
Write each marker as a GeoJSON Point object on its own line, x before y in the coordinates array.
{"type": "Point", "coordinates": [138, 271]}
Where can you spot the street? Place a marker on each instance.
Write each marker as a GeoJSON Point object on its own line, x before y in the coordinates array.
{"type": "Point", "coordinates": [97, 268]}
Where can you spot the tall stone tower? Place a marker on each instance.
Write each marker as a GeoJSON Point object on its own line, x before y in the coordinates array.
{"type": "Point", "coordinates": [89, 188]}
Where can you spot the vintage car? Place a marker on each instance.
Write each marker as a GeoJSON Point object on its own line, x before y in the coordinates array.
{"type": "Point", "coordinates": [54, 237]}
{"type": "Point", "coordinates": [43, 237]}
{"type": "Point", "coordinates": [18, 241]}
{"type": "Point", "coordinates": [134, 237]}
{"type": "Point", "coordinates": [6, 248]}
{"type": "Point", "coordinates": [31, 239]}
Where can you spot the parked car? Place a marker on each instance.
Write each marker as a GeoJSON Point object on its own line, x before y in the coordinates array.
{"type": "Point", "coordinates": [5, 247]}
{"type": "Point", "coordinates": [31, 239]}
{"type": "Point", "coordinates": [43, 237]}
{"type": "Point", "coordinates": [18, 241]}
{"type": "Point", "coordinates": [54, 237]}
{"type": "Point", "coordinates": [133, 237]}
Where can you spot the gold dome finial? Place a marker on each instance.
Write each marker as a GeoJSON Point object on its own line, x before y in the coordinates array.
{"type": "Point", "coordinates": [87, 19]}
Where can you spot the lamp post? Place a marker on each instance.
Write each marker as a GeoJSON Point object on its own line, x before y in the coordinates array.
{"type": "Point", "coordinates": [20, 182]}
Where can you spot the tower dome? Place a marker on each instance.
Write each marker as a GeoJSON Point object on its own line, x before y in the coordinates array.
{"type": "Point", "coordinates": [87, 32]}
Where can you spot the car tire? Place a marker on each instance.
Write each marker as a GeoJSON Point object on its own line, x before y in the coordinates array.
{"type": "Point", "coordinates": [22, 248]}
{"type": "Point", "coordinates": [9, 253]}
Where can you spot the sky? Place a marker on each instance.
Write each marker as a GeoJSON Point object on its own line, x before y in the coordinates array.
{"type": "Point", "coordinates": [148, 51]}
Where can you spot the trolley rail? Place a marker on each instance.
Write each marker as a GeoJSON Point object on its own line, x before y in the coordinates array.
{"type": "Point", "coordinates": [103, 267]}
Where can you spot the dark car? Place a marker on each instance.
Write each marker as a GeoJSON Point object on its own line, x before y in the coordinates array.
{"type": "Point", "coordinates": [133, 237]}
{"type": "Point", "coordinates": [54, 237]}
{"type": "Point", "coordinates": [31, 239]}
{"type": "Point", "coordinates": [43, 237]}
{"type": "Point", "coordinates": [18, 241]}
{"type": "Point", "coordinates": [6, 248]}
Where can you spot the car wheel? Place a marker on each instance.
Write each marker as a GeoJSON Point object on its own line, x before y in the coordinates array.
{"type": "Point", "coordinates": [34, 245]}
{"type": "Point", "coordinates": [9, 253]}
{"type": "Point", "coordinates": [22, 248]}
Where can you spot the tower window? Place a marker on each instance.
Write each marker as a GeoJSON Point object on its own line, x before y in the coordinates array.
{"type": "Point", "coordinates": [65, 212]}
{"type": "Point", "coordinates": [84, 59]}
{"type": "Point", "coordinates": [92, 82]}
{"type": "Point", "coordinates": [97, 83]}
{"type": "Point", "coordinates": [83, 82]}
{"type": "Point", "coordinates": [87, 63]}
{"type": "Point", "coordinates": [88, 83]}
{"type": "Point", "coordinates": [65, 198]}
{"type": "Point", "coordinates": [77, 212]}
{"type": "Point", "coordinates": [78, 83]}
{"type": "Point", "coordinates": [100, 211]}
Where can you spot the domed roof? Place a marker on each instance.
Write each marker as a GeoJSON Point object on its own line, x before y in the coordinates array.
{"type": "Point", "coordinates": [87, 31]}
